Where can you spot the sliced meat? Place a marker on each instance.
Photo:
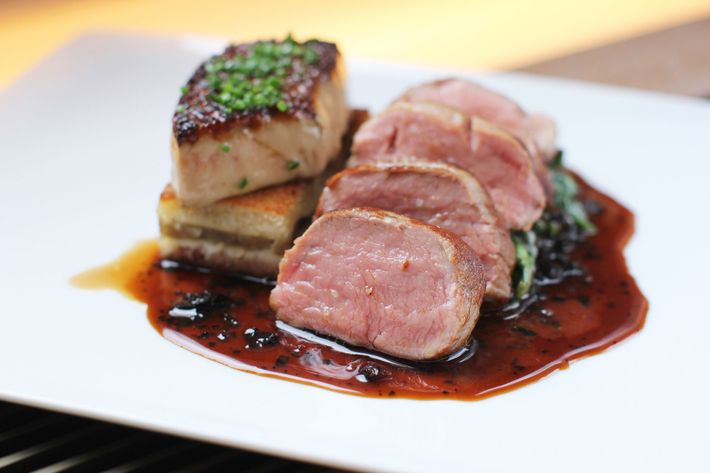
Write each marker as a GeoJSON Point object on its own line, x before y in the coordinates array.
{"type": "Point", "coordinates": [544, 130]}
{"type": "Point", "coordinates": [407, 132]}
{"type": "Point", "coordinates": [511, 182]}
{"type": "Point", "coordinates": [475, 100]}
{"type": "Point", "coordinates": [437, 194]}
{"type": "Point", "coordinates": [221, 152]}
{"type": "Point", "coordinates": [419, 130]}
{"type": "Point", "coordinates": [383, 281]}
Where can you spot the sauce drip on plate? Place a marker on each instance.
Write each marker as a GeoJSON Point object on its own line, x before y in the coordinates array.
{"type": "Point", "coordinates": [228, 320]}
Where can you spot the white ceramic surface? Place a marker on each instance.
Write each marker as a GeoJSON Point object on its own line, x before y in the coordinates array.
{"type": "Point", "coordinates": [83, 155]}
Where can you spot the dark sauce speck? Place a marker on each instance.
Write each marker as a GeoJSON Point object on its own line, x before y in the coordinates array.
{"type": "Point", "coordinates": [281, 360]}
{"type": "Point", "coordinates": [369, 373]}
{"type": "Point", "coordinates": [196, 306]}
{"type": "Point", "coordinates": [525, 331]}
{"type": "Point", "coordinates": [259, 338]}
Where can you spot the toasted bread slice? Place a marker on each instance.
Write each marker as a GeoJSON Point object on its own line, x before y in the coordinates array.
{"type": "Point", "coordinates": [249, 233]}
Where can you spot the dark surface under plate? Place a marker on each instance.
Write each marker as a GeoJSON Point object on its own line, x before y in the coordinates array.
{"type": "Point", "coordinates": [38, 440]}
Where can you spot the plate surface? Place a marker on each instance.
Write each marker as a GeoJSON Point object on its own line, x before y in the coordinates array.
{"type": "Point", "coordinates": [85, 151]}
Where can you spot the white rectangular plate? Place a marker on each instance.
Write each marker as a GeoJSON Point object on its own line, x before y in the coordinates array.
{"type": "Point", "coordinates": [84, 142]}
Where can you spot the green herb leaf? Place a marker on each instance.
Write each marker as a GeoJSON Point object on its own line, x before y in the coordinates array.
{"type": "Point", "coordinates": [184, 90]}
{"type": "Point", "coordinates": [525, 256]}
{"type": "Point", "coordinates": [226, 147]}
{"type": "Point", "coordinates": [579, 216]}
{"type": "Point", "coordinates": [556, 162]}
{"type": "Point", "coordinates": [243, 183]}
{"type": "Point", "coordinates": [565, 198]}
{"type": "Point", "coordinates": [292, 164]}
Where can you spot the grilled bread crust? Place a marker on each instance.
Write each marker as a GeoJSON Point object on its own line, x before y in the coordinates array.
{"type": "Point", "coordinates": [245, 234]}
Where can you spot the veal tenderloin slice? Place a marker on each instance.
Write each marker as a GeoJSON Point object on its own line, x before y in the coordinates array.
{"type": "Point", "coordinates": [538, 132]}
{"type": "Point", "coordinates": [383, 281]}
{"type": "Point", "coordinates": [437, 194]}
{"type": "Point", "coordinates": [406, 132]}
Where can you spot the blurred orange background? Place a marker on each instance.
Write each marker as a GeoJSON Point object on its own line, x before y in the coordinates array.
{"type": "Point", "coordinates": [482, 34]}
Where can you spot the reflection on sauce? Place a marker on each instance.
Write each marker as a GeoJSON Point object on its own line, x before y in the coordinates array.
{"type": "Point", "coordinates": [228, 320]}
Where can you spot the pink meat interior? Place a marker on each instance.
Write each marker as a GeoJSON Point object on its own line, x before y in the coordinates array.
{"type": "Point", "coordinates": [383, 286]}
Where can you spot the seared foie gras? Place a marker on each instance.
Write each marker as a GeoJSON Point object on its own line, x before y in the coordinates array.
{"type": "Point", "coordinates": [437, 194]}
{"type": "Point", "coordinates": [257, 115]}
{"type": "Point", "coordinates": [383, 281]}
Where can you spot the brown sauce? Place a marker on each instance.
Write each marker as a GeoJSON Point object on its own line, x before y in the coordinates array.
{"type": "Point", "coordinates": [232, 323]}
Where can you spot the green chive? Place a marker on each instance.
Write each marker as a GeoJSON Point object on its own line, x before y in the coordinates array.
{"type": "Point", "coordinates": [255, 77]}
{"type": "Point", "coordinates": [311, 56]}
{"type": "Point", "coordinates": [181, 109]}
{"type": "Point", "coordinates": [243, 183]}
{"type": "Point", "coordinates": [226, 147]}
{"type": "Point", "coordinates": [565, 192]}
{"type": "Point", "coordinates": [557, 160]}
{"type": "Point", "coordinates": [292, 164]}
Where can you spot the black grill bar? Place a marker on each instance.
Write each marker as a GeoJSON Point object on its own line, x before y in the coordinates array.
{"type": "Point", "coordinates": [46, 442]}
{"type": "Point", "coordinates": [97, 459]}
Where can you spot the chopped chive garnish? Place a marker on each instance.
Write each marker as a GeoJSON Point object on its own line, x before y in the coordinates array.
{"type": "Point", "coordinates": [311, 56]}
{"type": "Point", "coordinates": [243, 183]}
{"type": "Point", "coordinates": [181, 109]}
{"type": "Point", "coordinates": [184, 90]}
{"type": "Point", "coordinates": [292, 164]}
{"type": "Point", "coordinates": [226, 147]}
{"type": "Point", "coordinates": [254, 78]}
